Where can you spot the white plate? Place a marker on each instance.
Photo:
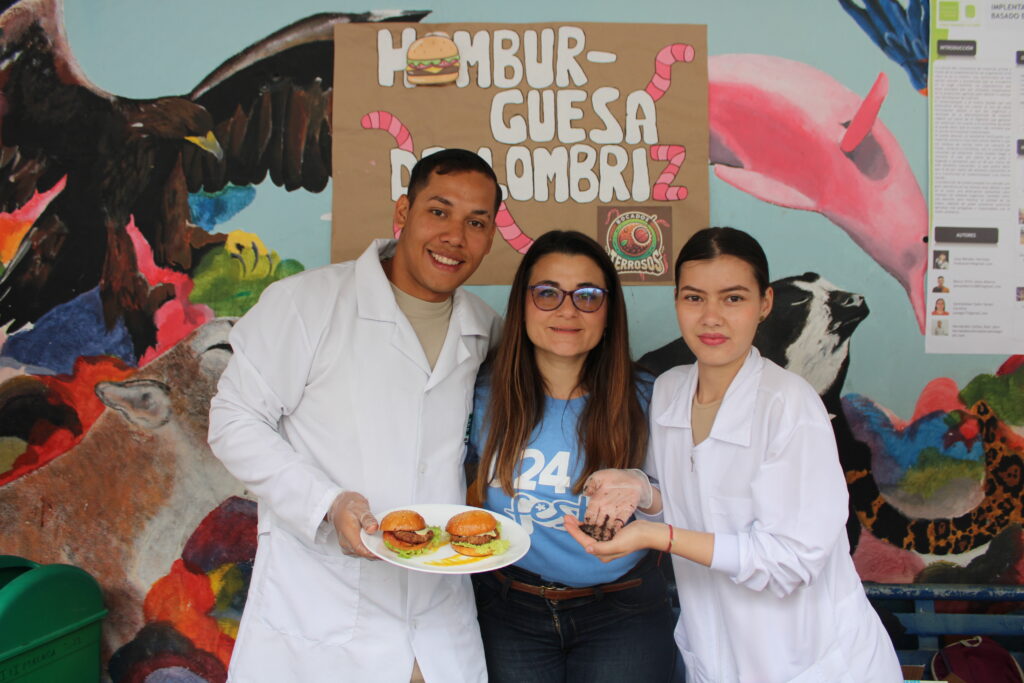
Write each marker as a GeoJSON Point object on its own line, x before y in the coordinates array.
{"type": "Point", "coordinates": [444, 560]}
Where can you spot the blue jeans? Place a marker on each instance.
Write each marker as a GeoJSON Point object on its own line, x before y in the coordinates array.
{"type": "Point", "coordinates": [620, 636]}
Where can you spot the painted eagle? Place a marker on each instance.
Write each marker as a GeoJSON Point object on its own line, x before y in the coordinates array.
{"type": "Point", "coordinates": [267, 110]}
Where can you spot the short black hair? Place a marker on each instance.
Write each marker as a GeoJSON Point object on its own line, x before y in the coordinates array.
{"type": "Point", "coordinates": [451, 160]}
{"type": "Point", "coordinates": [710, 243]}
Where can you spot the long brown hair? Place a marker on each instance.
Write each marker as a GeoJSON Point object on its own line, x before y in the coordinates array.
{"type": "Point", "coordinates": [612, 428]}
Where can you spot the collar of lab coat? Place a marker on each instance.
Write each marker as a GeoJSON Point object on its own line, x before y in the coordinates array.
{"type": "Point", "coordinates": [734, 420]}
{"type": "Point", "coordinates": [376, 301]}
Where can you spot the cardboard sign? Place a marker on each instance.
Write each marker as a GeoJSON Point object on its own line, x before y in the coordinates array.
{"type": "Point", "coordinates": [600, 128]}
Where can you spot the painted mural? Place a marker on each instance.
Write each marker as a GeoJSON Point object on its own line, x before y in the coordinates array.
{"type": "Point", "coordinates": [116, 298]}
{"type": "Point", "coordinates": [792, 135]}
{"type": "Point", "coordinates": [124, 262]}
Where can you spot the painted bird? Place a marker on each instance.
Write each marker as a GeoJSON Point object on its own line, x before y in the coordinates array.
{"type": "Point", "coordinates": [900, 32]}
{"type": "Point", "coordinates": [267, 110]}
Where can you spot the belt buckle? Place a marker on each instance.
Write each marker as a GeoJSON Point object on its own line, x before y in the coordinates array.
{"type": "Point", "coordinates": [553, 590]}
{"type": "Point", "coordinates": [559, 593]}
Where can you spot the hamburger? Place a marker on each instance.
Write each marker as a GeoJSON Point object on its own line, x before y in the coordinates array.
{"type": "Point", "coordinates": [406, 533]}
{"type": "Point", "coordinates": [432, 60]}
{"type": "Point", "coordinates": [476, 533]}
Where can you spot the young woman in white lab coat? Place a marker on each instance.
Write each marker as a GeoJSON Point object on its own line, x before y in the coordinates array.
{"type": "Point", "coordinates": [752, 493]}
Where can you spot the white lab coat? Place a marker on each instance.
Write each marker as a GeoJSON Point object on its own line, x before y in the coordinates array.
{"type": "Point", "coordinates": [329, 390]}
{"type": "Point", "coordinates": [782, 601]}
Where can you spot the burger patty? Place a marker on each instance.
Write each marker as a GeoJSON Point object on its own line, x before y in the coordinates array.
{"type": "Point", "coordinates": [473, 540]}
{"type": "Point", "coordinates": [413, 537]}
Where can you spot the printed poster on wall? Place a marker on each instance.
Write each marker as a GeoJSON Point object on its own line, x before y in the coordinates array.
{"type": "Point", "coordinates": [600, 128]}
{"type": "Point", "coordinates": [976, 239]}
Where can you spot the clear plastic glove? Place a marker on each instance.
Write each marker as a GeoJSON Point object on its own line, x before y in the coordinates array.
{"type": "Point", "coordinates": [612, 497]}
{"type": "Point", "coordinates": [349, 513]}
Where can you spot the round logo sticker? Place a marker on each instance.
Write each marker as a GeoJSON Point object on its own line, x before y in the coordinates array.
{"type": "Point", "coordinates": [636, 245]}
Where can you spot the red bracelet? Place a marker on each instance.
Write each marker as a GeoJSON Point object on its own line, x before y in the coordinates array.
{"type": "Point", "coordinates": [671, 536]}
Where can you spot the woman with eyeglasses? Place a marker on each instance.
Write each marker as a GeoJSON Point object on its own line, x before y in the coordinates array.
{"type": "Point", "coordinates": [561, 401]}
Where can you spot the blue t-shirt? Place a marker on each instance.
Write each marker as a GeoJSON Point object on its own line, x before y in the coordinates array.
{"type": "Point", "coordinates": [551, 463]}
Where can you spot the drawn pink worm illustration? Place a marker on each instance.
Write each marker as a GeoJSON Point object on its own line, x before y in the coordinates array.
{"type": "Point", "coordinates": [675, 154]}
{"type": "Point", "coordinates": [667, 56]}
{"type": "Point", "coordinates": [506, 224]}
{"type": "Point", "coordinates": [510, 232]}
{"type": "Point", "coordinates": [663, 190]}
{"type": "Point", "coordinates": [385, 120]}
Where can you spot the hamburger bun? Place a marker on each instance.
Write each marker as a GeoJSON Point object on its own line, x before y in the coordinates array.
{"type": "Point", "coordinates": [472, 550]}
{"type": "Point", "coordinates": [403, 520]}
{"type": "Point", "coordinates": [475, 533]}
{"type": "Point", "coordinates": [403, 530]}
{"type": "Point", "coordinates": [432, 60]}
{"type": "Point", "coordinates": [471, 523]}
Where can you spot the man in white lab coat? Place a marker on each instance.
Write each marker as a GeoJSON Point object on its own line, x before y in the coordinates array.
{"type": "Point", "coordinates": [349, 390]}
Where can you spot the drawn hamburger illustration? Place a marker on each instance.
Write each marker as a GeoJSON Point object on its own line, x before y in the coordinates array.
{"type": "Point", "coordinates": [406, 533]}
{"type": "Point", "coordinates": [432, 60]}
{"type": "Point", "coordinates": [476, 533]}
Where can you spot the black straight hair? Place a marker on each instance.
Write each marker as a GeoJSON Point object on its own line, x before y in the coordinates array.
{"type": "Point", "coordinates": [451, 160]}
{"type": "Point", "coordinates": [711, 243]}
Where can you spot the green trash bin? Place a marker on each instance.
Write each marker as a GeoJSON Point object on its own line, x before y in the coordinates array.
{"type": "Point", "coordinates": [50, 620]}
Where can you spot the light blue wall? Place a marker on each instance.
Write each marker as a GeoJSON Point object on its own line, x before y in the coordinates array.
{"type": "Point", "coordinates": [150, 48]}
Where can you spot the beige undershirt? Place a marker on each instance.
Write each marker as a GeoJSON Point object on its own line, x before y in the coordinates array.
{"type": "Point", "coordinates": [702, 417]}
{"type": "Point", "coordinates": [428, 319]}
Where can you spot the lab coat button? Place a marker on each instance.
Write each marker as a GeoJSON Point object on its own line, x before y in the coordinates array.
{"type": "Point", "coordinates": [423, 468]}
